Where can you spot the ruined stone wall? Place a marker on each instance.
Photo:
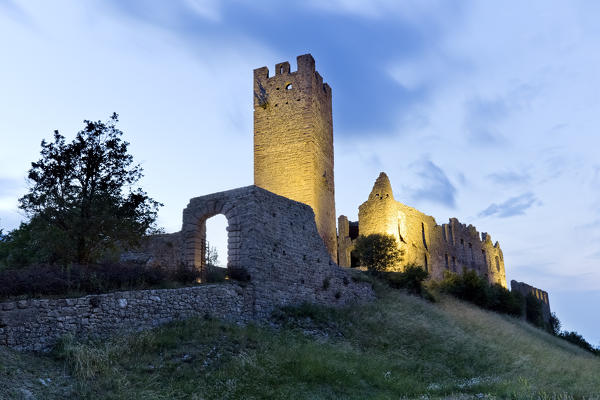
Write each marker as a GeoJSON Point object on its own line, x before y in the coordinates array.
{"type": "Point", "coordinates": [526, 289]}
{"type": "Point", "coordinates": [438, 248]}
{"type": "Point", "coordinates": [37, 324]}
{"type": "Point", "coordinates": [162, 251]}
{"type": "Point", "coordinates": [293, 140]}
{"type": "Point", "coordinates": [275, 255]}
{"type": "Point", "coordinates": [272, 241]}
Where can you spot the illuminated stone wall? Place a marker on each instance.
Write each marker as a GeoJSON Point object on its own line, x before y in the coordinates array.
{"type": "Point", "coordinates": [438, 248]}
{"type": "Point", "coordinates": [274, 252]}
{"type": "Point", "coordinates": [293, 140]}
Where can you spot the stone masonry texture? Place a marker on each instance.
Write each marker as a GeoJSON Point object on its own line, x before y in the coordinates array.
{"type": "Point", "coordinates": [539, 294]}
{"type": "Point", "coordinates": [275, 251]}
{"type": "Point", "coordinates": [293, 140]}
{"type": "Point", "coordinates": [437, 248]}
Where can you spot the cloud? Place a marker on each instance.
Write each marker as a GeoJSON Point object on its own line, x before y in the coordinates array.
{"type": "Point", "coordinates": [508, 178]}
{"type": "Point", "coordinates": [14, 11]}
{"type": "Point", "coordinates": [374, 9]}
{"type": "Point", "coordinates": [511, 207]}
{"type": "Point", "coordinates": [435, 185]}
{"type": "Point", "coordinates": [482, 116]}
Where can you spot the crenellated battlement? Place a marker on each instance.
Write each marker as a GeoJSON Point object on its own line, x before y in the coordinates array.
{"type": "Point", "coordinates": [453, 246]}
{"type": "Point", "coordinates": [293, 139]}
{"type": "Point", "coordinates": [286, 83]}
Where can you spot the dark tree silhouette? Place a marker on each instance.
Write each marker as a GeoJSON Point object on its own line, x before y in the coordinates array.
{"type": "Point", "coordinates": [378, 252]}
{"type": "Point", "coordinates": [82, 199]}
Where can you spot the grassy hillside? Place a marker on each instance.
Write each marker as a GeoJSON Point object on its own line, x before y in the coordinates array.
{"type": "Point", "coordinates": [397, 347]}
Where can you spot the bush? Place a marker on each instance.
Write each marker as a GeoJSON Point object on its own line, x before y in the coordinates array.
{"type": "Point", "coordinates": [578, 340]}
{"type": "Point", "coordinates": [472, 288]}
{"type": "Point", "coordinates": [45, 280]}
{"type": "Point", "coordinates": [378, 252]}
{"type": "Point", "coordinates": [533, 310]}
{"type": "Point", "coordinates": [554, 325]}
{"type": "Point", "coordinates": [411, 279]}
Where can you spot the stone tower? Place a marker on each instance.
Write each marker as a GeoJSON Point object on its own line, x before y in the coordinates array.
{"type": "Point", "coordinates": [293, 140]}
{"type": "Point", "coordinates": [379, 214]}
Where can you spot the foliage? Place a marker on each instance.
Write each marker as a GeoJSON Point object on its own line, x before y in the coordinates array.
{"type": "Point", "coordinates": [554, 325]}
{"type": "Point", "coordinates": [396, 347]}
{"type": "Point", "coordinates": [578, 340]}
{"type": "Point", "coordinates": [570, 336]}
{"type": "Point", "coordinates": [411, 279]}
{"type": "Point", "coordinates": [469, 286]}
{"type": "Point", "coordinates": [75, 279]}
{"type": "Point", "coordinates": [82, 200]}
{"type": "Point", "coordinates": [27, 244]}
{"type": "Point", "coordinates": [212, 256]}
{"type": "Point", "coordinates": [533, 310]}
{"type": "Point", "coordinates": [378, 252]}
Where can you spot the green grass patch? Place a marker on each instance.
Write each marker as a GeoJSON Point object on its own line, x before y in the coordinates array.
{"type": "Point", "coordinates": [399, 346]}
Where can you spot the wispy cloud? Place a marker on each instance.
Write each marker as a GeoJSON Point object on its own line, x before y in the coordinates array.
{"type": "Point", "coordinates": [435, 186]}
{"type": "Point", "coordinates": [411, 9]}
{"type": "Point", "coordinates": [511, 207]}
{"type": "Point", "coordinates": [509, 178]}
{"type": "Point", "coordinates": [481, 118]}
{"type": "Point", "coordinates": [14, 11]}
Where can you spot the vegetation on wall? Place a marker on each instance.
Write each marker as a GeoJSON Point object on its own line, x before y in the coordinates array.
{"type": "Point", "coordinates": [78, 280]}
{"type": "Point", "coordinates": [82, 200]}
{"type": "Point", "coordinates": [378, 252]}
{"type": "Point", "coordinates": [411, 280]}
{"type": "Point", "coordinates": [393, 348]}
{"type": "Point", "coordinates": [469, 286]}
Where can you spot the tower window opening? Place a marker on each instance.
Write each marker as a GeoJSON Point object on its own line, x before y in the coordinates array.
{"type": "Point", "coordinates": [446, 258]}
{"type": "Point", "coordinates": [288, 86]}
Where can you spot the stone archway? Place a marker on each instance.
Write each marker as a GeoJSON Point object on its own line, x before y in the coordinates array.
{"type": "Point", "coordinates": [194, 233]}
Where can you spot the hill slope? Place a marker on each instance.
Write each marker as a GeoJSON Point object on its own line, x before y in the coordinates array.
{"type": "Point", "coordinates": [399, 346]}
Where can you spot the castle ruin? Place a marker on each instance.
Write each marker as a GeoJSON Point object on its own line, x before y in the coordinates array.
{"type": "Point", "coordinates": [438, 248]}
{"type": "Point", "coordinates": [282, 241]}
{"type": "Point", "coordinates": [293, 140]}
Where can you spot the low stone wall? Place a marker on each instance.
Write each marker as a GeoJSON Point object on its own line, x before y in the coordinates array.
{"type": "Point", "coordinates": [274, 248]}
{"type": "Point", "coordinates": [37, 324]}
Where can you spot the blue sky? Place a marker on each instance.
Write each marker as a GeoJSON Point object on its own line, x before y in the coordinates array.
{"type": "Point", "coordinates": [484, 111]}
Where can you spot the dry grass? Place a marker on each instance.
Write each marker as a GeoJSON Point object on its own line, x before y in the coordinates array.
{"type": "Point", "coordinates": [397, 347]}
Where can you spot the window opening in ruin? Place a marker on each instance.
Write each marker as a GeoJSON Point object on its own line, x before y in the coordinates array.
{"type": "Point", "coordinates": [215, 256]}
{"type": "Point", "coordinates": [497, 264]}
{"type": "Point", "coordinates": [426, 264]}
{"type": "Point", "coordinates": [454, 264]}
{"type": "Point", "coordinates": [288, 86]}
{"type": "Point", "coordinates": [423, 233]}
{"type": "Point", "coordinates": [281, 70]}
{"type": "Point", "coordinates": [485, 262]}
{"type": "Point", "coordinates": [354, 260]}
{"type": "Point", "coordinates": [471, 252]}
{"type": "Point", "coordinates": [446, 258]}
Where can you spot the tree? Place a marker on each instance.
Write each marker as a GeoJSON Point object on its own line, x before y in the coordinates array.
{"type": "Point", "coordinates": [378, 252]}
{"type": "Point", "coordinates": [212, 256]}
{"type": "Point", "coordinates": [82, 198]}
